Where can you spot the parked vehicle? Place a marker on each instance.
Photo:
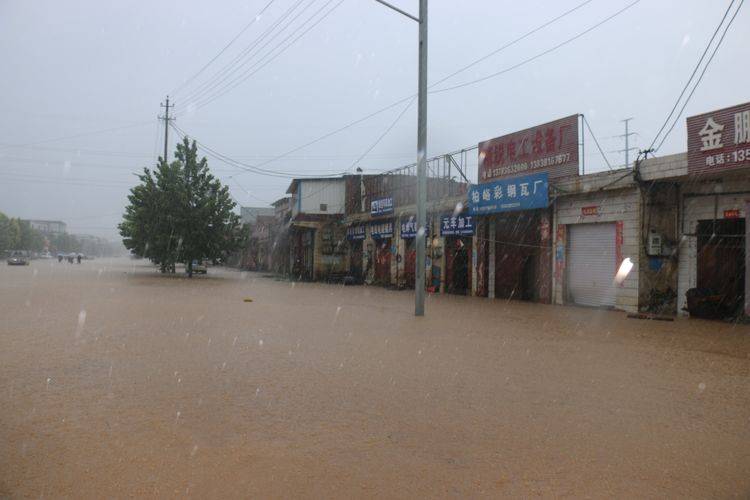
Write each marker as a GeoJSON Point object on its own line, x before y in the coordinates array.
{"type": "Point", "coordinates": [17, 258]}
{"type": "Point", "coordinates": [199, 267]}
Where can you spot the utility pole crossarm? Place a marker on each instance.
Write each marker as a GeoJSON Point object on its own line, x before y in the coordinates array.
{"type": "Point", "coordinates": [400, 11]}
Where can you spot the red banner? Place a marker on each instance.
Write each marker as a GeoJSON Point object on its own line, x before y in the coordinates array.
{"type": "Point", "coordinates": [719, 140]}
{"type": "Point", "coordinates": [552, 148]}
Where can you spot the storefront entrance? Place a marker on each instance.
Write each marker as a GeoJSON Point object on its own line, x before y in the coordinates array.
{"type": "Point", "coordinates": [457, 265]}
{"type": "Point", "coordinates": [721, 262]}
{"type": "Point", "coordinates": [355, 261]}
{"type": "Point", "coordinates": [410, 262]}
{"type": "Point", "coordinates": [304, 253]}
{"type": "Point", "coordinates": [517, 250]}
{"type": "Point", "coordinates": [383, 261]}
{"type": "Point", "coordinates": [591, 264]}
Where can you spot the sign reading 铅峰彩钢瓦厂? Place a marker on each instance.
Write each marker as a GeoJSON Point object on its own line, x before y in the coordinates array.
{"type": "Point", "coordinates": [506, 195]}
{"type": "Point", "coordinates": [551, 148]}
{"type": "Point", "coordinates": [720, 140]}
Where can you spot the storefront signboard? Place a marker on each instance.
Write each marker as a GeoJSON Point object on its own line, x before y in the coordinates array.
{"type": "Point", "coordinates": [381, 206]}
{"type": "Point", "coordinates": [552, 148]}
{"type": "Point", "coordinates": [456, 225]}
{"type": "Point", "coordinates": [409, 227]}
{"type": "Point", "coordinates": [720, 140]}
{"type": "Point", "coordinates": [355, 233]}
{"type": "Point", "coordinates": [506, 195]}
{"type": "Point", "coordinates": [380, 230]}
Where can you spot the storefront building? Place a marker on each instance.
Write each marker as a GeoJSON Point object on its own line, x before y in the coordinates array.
{"type": "Point", "coordinates": [596, 228]}
{"type": "Point", "coordinates": [695, 224]}
{"type": "Point", "coordinates": [512, 246]}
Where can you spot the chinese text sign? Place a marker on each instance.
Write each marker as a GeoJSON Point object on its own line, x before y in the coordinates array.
{"type": "Point", "coordinates": [519, 193]}
{"type": "Point", "coordinates": [719, 140]}
{"type": "Point", "coordinates": [552, 148]}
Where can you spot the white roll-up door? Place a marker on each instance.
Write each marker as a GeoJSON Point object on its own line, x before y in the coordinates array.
{"type": "Point", "coordinates": [591, 264]}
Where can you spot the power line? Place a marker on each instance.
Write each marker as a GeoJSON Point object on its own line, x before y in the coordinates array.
{"type": "Point", "coordinates": [402, 100]}
{"type": "Point", "coordinates": [385, 132]}
{"type": "Point", "coordinates": [695, 70]}
{"type": "Point", "coordinates": [703, 72]}
{"type": "Point", "coordinates": [84, 134]}
{"type": "Point", "coordinates": [244, 28]}
{"type": "Point", "coordinates": [512, 42]}
{"type": "Point", "coordinates": [586, 122]}
{"type": "Point", "coordinates": [537, 56]}
{"type": "Point", "coordinates": [273, 56]}
{"type": "Point", "coordinates": [246, 166]}
{"type": "Point", "coordinates": [230, 67]}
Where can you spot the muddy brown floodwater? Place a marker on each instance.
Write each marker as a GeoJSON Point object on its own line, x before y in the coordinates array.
{"type": "Point", "coordinates": [118, 382]}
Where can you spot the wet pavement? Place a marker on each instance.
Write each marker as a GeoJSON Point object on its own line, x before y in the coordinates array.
{"type": "Point", "coordinates": [119, 382]}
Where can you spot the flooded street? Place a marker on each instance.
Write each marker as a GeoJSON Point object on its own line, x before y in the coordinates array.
{"type": "Point", "coordinates": [120, 382]}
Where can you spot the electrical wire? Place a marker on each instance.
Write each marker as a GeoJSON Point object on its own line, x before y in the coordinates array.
{"type": "Point", "coordinates": [84, 134]}
{"type": "Point", "coordinates": [231, 66]}
{"type": "Point", "coordinates": [586, 122]}
{"type": "Point", "coordinates": [537, 56]}
{"type": "Point", "coordinates": [692, 75]}
{"type": "Point", "coordinates": [700, 78]}
{"type": "Point", "coordinates": [402, 100]}
{"type": "Point", "coordinates": [239, 34]}
{"type": "Point", "coordinates": [512, 42]}
{"type": "Point", "coordinates": [262, 64]}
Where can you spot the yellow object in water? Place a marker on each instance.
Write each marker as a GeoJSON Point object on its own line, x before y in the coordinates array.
{"type": "Point", "coordinates": [247, 299]}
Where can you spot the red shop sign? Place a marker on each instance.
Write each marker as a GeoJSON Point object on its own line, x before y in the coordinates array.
{"type": "Point", "coordinates": [552, 148]}
{"type": "Point", "coordinates": [732, 214]}
{"type": "Point", "coordinates": [719, 140]}
{"type": "Point", "coordinates": [593, 210]}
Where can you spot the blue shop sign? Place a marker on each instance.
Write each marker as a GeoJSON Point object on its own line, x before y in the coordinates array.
{"type": "Point", "coordinates": [506, 195]}
{"type": "Point", "coordinates": [457, 225]}
{"type": "Point", "coordinates": [409, 228]}
{"type": "Point", "coordinates": [381, 206]}
{"type": "Point", "coordinates": [380, 230]}
{"type": "Point", "coordinates": [355, 233]}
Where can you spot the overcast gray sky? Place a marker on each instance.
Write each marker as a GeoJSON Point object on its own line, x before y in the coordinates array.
{"type": "Point", "coordinates": [76, 67]}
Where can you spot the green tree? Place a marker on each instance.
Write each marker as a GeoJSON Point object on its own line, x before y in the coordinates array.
{"type": "Point", "coordinates": [180, 213]}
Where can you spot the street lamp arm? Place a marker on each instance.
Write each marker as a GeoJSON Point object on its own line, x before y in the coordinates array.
{"type": "Point", "coordinates": [393, 7]}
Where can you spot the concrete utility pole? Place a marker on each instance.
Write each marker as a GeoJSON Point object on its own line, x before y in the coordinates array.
{"type": "Point", "coordinates": [166, 119]}
{"type": "Point", "coordinates": [419, 281]}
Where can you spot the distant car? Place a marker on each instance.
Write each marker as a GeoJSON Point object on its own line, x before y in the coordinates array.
{"type": "Point", "coordinates": [45, 255]}
{"type": "Point", "coordinates": [17, 259]}
{"type": "Point", "coordinates": [199, 267]}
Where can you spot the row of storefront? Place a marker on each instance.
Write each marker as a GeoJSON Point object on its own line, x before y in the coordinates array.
{"type": "Point", "coordinates": [664, 236]}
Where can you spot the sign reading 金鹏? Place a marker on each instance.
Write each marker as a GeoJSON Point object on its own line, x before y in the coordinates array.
{"type": "Point", "coordinates": [506, 195]}
{"type": "Point", "coordinates": [552, 148]}
{"type": "Point", "coordinates": [719, 140]}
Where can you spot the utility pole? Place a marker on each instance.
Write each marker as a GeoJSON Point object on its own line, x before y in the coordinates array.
{"type": "Point", "coordinates": [166, 119]}
{"type": "Point", "coordinates": [627, 135]}
{"type": "Point", "coordinates": [419, 281]}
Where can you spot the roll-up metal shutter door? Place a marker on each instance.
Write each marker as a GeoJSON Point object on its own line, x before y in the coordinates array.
{"type": "Point", "coordinates": [591, 264]}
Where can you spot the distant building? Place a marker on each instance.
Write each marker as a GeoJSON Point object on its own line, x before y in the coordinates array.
{"type": "Point", "coordinates": [49, 226]}
{"type": "Point", "coordinates": [250, 214]}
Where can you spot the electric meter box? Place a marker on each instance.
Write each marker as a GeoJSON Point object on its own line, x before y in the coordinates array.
{"type": "Point", "coordinates": [654, 245]}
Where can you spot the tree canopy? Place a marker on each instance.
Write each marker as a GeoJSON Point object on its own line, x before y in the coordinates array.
{"type": "Point", "coordinates": [179, 212]}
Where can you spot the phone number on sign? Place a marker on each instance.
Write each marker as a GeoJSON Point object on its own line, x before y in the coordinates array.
{"type": "Point", "coordinates": [550, 161]}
